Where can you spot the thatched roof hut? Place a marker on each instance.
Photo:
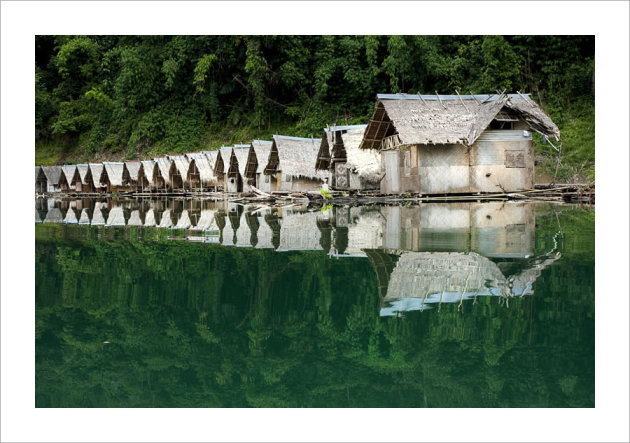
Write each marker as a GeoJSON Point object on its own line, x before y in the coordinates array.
{"type": "Point", "coordinates": [351, 167]}
{"type": "Point", "coordinates": [241, 152]}
{"type": "Point", "coordinates": [53, 177]}
{"type": "Point", "coordinates": [181, 166]}
{"type": "Point", "coordinates": [447, 119]}
{"type": "Point", "coordinates": [258, 157]}
{"type": "Point", "coordinates": [117, 175]}
{"type": "Point", "coordinates": [41, 182]}
{"type": "Point", "coordinates": [295, 157]}
{"type": "Point", "coordinates": [133, 170]}
{"type": "Point", "coordinates": [201, 169]}
{"type": "Point", "coordinates": [166, 168]}
{"type": "Point", "coordinates": [222, 162]}
{"type": "Point", "coordinates": [148, 174]}
{"type": "Point", "coordinates": [97, 171]}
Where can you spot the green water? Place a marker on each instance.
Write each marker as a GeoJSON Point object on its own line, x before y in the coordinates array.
{"type": "Point", "coordinates": [129, 316]}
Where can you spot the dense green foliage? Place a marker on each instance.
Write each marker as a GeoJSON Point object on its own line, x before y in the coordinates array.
{"type": "Point", "coordinates": [131, 96]}
{"type": "Point", "coordinates": [199, 325]}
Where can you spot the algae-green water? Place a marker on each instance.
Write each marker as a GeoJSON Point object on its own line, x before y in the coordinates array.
{"type": "Point", "coordinates": [211, 304]}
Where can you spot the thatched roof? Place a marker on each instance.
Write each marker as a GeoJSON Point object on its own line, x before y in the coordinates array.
{"type": "Point", "coordinates": [97, 170]}
{"type": "Point", "coordinates": [258, 155]}
{"type": "Point", "coordinates": [84, 174]}
{"type": "Point", "coordinates": [241, 153]}
{"type": "Point", "coordinates": [331, 135]}
{"type": "Point", "coordinates": [115, 172]}
{"type": "Point", "coordinates": [225, 152]}
{"type": "Point", "coordinates": [447, 119]}
{"type": "Point", "coordinates": [53, 174]}
{"type": "Point", "coordinates": [164, 166]}
{"type": "Point", "coordinates": [294, 156]}
{"type": "Point", "coordinates": [181, 164]}
{"type": "Point", "coordinates": [39, 174]}
{"type": "Point", "coordinates": [148, 168]}
{"type": "Point", "coordinates": [366, 163]}
{"type": "Point", "coordinates": [203, 164]}
{"type": "Point", "coordinates": [71, 174]}
{"type": "Point", "coordinates": [133, 168]}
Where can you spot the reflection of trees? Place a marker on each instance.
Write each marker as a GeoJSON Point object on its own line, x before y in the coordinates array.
{"type": "Point", "coordinates": [200, 325]}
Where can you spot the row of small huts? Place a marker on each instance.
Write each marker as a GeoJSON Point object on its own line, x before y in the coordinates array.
{"type": "Point", "coordinates": [429, 144]}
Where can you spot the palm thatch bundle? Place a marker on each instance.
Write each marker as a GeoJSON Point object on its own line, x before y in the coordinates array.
{"type": "Point", "coordinates": [116, 173]}
{"type": "Point", "coordinates": [258, 157]}
{"type": "Point", "coordinates": [294, 156]}
{"type": "Point", "coordinates": [446, 119]}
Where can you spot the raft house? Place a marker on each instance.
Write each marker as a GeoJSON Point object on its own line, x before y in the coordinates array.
{"type": "Point", "coordinates": [446, 144]}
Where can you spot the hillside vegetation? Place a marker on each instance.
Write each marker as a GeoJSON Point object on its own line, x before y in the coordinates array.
{"type": "Point", "coordinates": [125, 97]}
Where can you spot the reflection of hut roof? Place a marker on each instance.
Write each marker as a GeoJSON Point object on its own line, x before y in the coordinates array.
{"type": "Point", "coordinates": [294, 156]}
{"type": "Point", "coordinates": [447, 119]}
{"type": "Point", "coordinates": [421, 278]}
{"type": "Point", "coordinates": [149, 217]}
{"type": "Point", "coordinates": [206, 220]}
{"type": "Point", "coordinates": [38, 216]}
{"type": "Point", "coordinates": [365, 233]}
{"type": "Point", "coordinates": [133, 167]}
{"type": "Point", "coordinates": [243, 234]}
{"type": "Point", "coordinates": [264, 234]}
{"type": "Point", "coordinates": [96, 169]}
{"type": "Point", "coordinates": [261, 149]}
{"type": "Point", "coordinates": [298, 231]}
{"type": "Point", "coordinates": [184, 220]}
{"type": "Point", "coordinates": [116, 217]}
{"type": "Point", "coordinates": [72, 216]}
{"type": "Point", "coordinates": [166, 219]}
{"type": "Point", "coordinates": [71, 174]}
{"type": "Point", "coordinates": [135, 219]}
{"type": "Point", "coordinates": [86, 216]}
{"type": "Point", "coordinates": [54, 215]}
{"type": "Point", "coordinates": [115, 172]}
{"type": "Point", "coordinates": [84, 173]}
{"type": "Point", "coordinates": [100, 212]}
{"type": "Point", "coordinates": [52, 173]}
{"type": "Point", "coordinates": [202, 162]}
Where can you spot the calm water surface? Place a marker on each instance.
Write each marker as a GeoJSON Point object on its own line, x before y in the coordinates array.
{"type": "Point", "coordinates": [190, 303]}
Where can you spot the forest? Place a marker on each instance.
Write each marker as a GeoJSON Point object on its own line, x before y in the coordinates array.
{"type": "Point", "coordinates": [125, 97]}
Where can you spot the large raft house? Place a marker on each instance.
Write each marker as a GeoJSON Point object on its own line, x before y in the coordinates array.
{"type": "Point", "coordinates": [448, 144]}
{"type": "Point", "coordinates": [426, 144]}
